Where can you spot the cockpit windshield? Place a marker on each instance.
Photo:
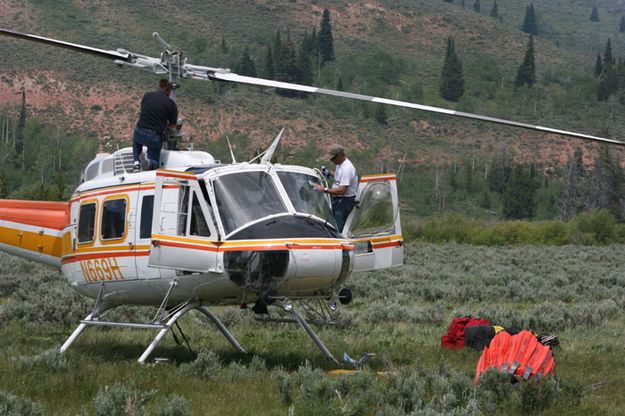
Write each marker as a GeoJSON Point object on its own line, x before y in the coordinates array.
{"type": "Point", "coordinates": [304, 197]}
{"type": "Point", "coordinates": [246, 196]}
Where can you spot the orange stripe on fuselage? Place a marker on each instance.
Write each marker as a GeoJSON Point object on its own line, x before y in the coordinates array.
{"type": "Point", "coordinates": [381, 177]}
{"type": "Point", "coordinates": [91, 256]}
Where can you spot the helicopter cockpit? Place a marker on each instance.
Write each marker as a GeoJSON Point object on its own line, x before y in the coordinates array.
{"type": "Point", "coordinates": [269, 201]}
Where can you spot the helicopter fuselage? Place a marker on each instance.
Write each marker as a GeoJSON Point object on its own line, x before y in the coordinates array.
{"type": "Point", "coordinates": [224, 234]}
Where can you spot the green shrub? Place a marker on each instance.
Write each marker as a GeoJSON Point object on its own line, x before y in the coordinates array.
{"type": "Point", "coordinates": [122, 400]}
{"type": "Point", "coordinates": [597, 226]}
{"type": "Point", "coordinates": [11, 405]}
{"type": "Point", "coordinates": [52, 359]}
{"type": "Point", "coordinates": [174, 405]}
{"type": "Point", "coordinates": [207, 365]}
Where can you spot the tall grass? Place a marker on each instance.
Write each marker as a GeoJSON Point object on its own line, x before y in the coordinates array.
{"type": "Point", "coordinates": [593, 228]}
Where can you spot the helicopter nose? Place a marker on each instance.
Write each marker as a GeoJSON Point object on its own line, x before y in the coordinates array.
{"type": "Point", "coordinates": [296, 268]}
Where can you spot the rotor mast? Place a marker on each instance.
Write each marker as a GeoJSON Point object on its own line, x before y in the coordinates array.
{"type": "Point", "coordinates": [170, 59]}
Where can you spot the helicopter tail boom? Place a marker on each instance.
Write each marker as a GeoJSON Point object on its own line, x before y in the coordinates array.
{"type": "Point", "coordinates": [33, 229]}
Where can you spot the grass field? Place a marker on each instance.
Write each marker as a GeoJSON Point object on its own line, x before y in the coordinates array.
{"type": "Point", "coordinates": [575, 292]}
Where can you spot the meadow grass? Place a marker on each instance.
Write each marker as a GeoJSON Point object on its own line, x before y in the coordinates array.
{"type": "Point", "coordinates": [576, 292]}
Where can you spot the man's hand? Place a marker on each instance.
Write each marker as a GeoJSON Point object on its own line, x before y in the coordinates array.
{"type": "Point", "coordinates": [319, 187]}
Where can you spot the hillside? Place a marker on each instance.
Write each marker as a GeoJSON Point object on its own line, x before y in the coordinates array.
{"type": "Point", "coordinates": [388, 48]}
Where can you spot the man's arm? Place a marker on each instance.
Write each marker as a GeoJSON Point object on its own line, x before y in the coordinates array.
{"type": "Point", "coordinates": [338, 191]}
{"type": "Point", "coordinates": [173, 115]}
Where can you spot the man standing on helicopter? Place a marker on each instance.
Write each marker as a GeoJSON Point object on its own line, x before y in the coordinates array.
{"type": "Point", "coordinates": [344, 187]}
{"type": "Point", "coordinates": [158, 112]}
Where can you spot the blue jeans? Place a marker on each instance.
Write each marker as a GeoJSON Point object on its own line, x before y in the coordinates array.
{"type": "Point", "coordinates": [144, 137]}
{"type": "Point", "coordinates": [341, 207]}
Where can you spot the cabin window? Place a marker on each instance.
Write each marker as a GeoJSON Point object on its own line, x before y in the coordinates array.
{"type": "Point", "coordinates": [86, 222]}
{"type": "Point", "coordinates": [147, 209]}
{"type": "Point", "coordinates": [183, 209]}
{"type": "Point", "coordinates": [92, 171]}
{"type": "Point", "coordinates": [198, 225]}
{"type": "Point", "coordinates": [305, 198]}
{"type": "Point", "coordinates": [374, 213]}
{"type": "Point", "coordinates": [113, 219]}
{"type": "Point", "coordinates": [245, 197]}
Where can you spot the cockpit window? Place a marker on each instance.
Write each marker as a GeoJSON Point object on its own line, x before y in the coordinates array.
{"type": "Point", "coordinates": [304, 197]}
{"type": "Point", "coordinates": [244, 197]}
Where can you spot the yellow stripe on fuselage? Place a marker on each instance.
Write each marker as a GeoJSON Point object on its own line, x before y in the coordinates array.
{"type": "Point", "coordinates": [32, 241]}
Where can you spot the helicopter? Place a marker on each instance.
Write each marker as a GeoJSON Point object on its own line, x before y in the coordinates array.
{"type": "Point", "coordinates": [196, 232]}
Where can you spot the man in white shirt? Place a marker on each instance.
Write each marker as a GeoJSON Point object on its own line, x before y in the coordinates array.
{"type": "Point", "coordinates": [344, 187]}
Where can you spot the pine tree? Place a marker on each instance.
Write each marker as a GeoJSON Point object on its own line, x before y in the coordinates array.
{"type": "Point", "coordinates": [529, 23]}
{"type": "Point", "coordinates": [594, 15]}
{"type": "Point", "coordinates": [608, 84]}
{"type": "Point", "coordinates": [518, 198]}
{"type": "Point", "coordinates": [278, 55]}
{"type": "Point", "coordinates": [339, 84]}
{"type": "Point", "coordinates": [269, 70]}
{"type": "Point", "coordinates": [476, 6]}
{"type": "Point", "coordinates": [462, 4]}
{"type": "Point", "coordinates": [20, 136]}
{"type": "Point", "coordinates": [598, 66]}
{"type": "Point", "coordinates": [452, 82]}
{"type": "Point", "coordinates": [527, 70]}
{"type": "Point", "coordinates": [304, 64]}
{"type": "Point", "coordinates": [575, 187]}
{"type": "Point", "coordinates": [494, 12]}
{"type": "Point", "coordinates": [608, 184]}
{"type": "Point", "coordinates": [247, 66]}
{"type": "Point", "coordinates": [621, 27]}
{"type": "Point", "coordinates": [324, 39]}
{"type": "Point", "coordinates": [224, 45]}
{"type": "Point", "coordinates": [4, 185]}
{"type": "Point", "coordinates": [380, 115]}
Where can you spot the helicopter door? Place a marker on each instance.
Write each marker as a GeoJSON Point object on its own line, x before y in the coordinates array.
{"type": "Point", "coordinates": [374, 225]}
{"type": "Point", "coordinates": [183, 232]}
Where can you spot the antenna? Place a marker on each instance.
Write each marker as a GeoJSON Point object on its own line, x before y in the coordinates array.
{"type": "Point", "coordinates": [268, 154]}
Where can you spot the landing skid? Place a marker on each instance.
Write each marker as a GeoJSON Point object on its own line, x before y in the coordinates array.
{"type": "Point", "coordinates": [318, 313]}
{"type": "Point", "coordinates": [163, 322]}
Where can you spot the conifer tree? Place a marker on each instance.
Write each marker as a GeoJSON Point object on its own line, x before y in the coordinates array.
{"type": "Point", "coordinates": [339, 84]}
{"type": "Point", "coordinates": [608, 84]}
{"type": "Point", "coordinates": [380, 114]}
{"type": "Point", "coordinates": [518, 198]}
{"type": "Point", "coordinates": [575, 187]}
{"type": "Point", "coordinates": [20, 135]}
{"type": "Point", "coordinates": [247, 66]}
{"type": "Point", "coordinates": [304, 70]}
{"type": "Point", "coordinates": [621, 27]}
{"type": "Point", "coordinates": [278, 55]}
{"type": "Point", "coordinates": [4, 185]}
{"type": "Point", "coordinates": [324, 39]}
{"type": "Point", "coordinates": [462, 4]}
{"type": "Point", "coordinates": [529, 23]}
{"type": "Point", "coordinates": [598, 66]}
{"type": "Point", "coordinates": [269, 69]}
{"type": "Point", "coordinates": [494, 11]}
{"type": "Point", "coordinates": [476, 6]}
{"type": "Point", "coordinates": [224, 45]}
{"type": "Point", "coordinates": [452, 82]}
{"type": "Point", "coordinates": [527, 70]}
{"type": "Point", "coordinates": [594, 15]}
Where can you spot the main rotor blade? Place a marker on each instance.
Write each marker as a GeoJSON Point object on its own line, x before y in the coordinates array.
{"type": "Point", "coordinates": [103, 53]}
{"type": "Point", "coordinates": [232, 77]}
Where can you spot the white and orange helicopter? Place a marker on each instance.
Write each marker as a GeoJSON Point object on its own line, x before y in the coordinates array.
{"type": "Point", "coordinates": [197, 232]}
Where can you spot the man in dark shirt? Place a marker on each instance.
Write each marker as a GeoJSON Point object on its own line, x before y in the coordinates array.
{"type": "Point", "coordinates": [158, 112]}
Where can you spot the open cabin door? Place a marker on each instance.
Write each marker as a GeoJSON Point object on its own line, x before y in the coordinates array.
{"type": "Point", "coordinates": [184, 235]}
{"type": "Point", "coordinates": [374, 225]}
